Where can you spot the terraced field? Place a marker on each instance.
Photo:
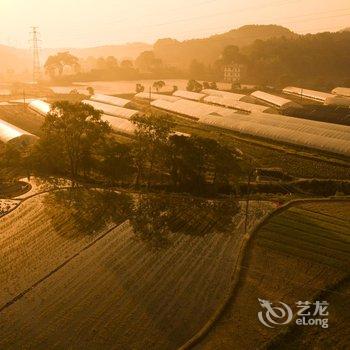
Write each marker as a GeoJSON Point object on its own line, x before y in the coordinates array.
{"type": "Point", "coordinates": [150, 282]}
{"type": "Point", "coordinates": [300, 254]}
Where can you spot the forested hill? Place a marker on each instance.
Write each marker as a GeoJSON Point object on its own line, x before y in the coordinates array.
{"type": "Point", "coordinates": [312, 60]}
{"type": "Point", "coordinates": [181, 54]}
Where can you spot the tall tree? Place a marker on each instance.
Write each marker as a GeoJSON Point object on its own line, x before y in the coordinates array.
{"type": "Point", "coordinates": [151, 142]}
{"type": "Point", "coordinates": [158, 85]}
{"type": "Point", "coordinates": [55, 64]}
{"type": "Point", "coordinates": [72, 132]}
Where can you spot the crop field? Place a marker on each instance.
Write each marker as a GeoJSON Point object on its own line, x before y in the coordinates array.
{"type": "Point", "coordinates": [270, 156]}
{"type": "Point", "coordinates": [22, 117]}
{"type": "Point", "coordinates": [148, 276]}
{"type": "Point", "coordinates": [300, 254]}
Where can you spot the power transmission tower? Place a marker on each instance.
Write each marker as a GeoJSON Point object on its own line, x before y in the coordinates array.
{"type": "Point", "coordinates": [34, 40]}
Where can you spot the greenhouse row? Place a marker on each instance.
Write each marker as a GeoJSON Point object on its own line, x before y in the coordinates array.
{"type": "Point", "coordinates": [319, 136]}
{"type": "Point", "coordinates": [239, 105]}
{"type": "Point", "coordinates": [40, 106]}
{"type": "Point", "coordinates": [9, 132]}
{"type": "Point", "coordinates": [118, 120]}
{"type": "Point", "coordinates": [119, 124]}
{"type": "Point", "coordinates": [306, 93]}
{"type": "Point", "coordinates": [112, 110]}
{"type": "Point", "coordinates": [341, 91]}
{"type": "Point", "coordinates": [219, 93]}
{"type": "Point", "coordinates": [189, 95]}
{"type": "Point", "coordinates": [272, 100]}
{"type": "Point", "coordinates": [152, 96]}
{"type": "Point", "coordinates": [192, 109]}
{"type": "Point", "coordinates": [111, 100]}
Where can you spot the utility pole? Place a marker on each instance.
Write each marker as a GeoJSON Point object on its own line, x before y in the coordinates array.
{"type": "Point", "coordinates": [24, 98]}
{"type": "Point", "coordinates": [34, 40]}
{"type": "Point", "coordinates": [250, 173]}
{"type": "Point", "coordinates": [301, 94]}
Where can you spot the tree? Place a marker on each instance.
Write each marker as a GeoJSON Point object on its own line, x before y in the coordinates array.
{"type": "Point", "coordinates": [206, 85]}
{"type": "Point", "coordinates": [193, 85]}
{"type": "Point", "coordinates": [213, 85]}
{"type": "Point", "coordinates": [140, 88]}
{"type": "Point", "coordinates": [231, 54]}
{"type": "Point", "coordinates": [158, 85]}
{"type": "Point", "coordinates": [147, 62]}
{"type": "Point", "coordinates": [151, 142]}
{"type": "Point", "coordinates": [116, 161]}
{"type": "Point", "coordinates": [56, 63]}
{"type": "Point", "coordinates": [90, 90]}
{"type": "Point", "coordinates": [185, 163]}
{"type": "Point", "coordinates": [192, 160]}
{"type": "Point", "coordinates": [111, 63]}
{"type": "Point", "coordinates": [126, 64]}
{"type": "Point", "coordinates": [72, 132]}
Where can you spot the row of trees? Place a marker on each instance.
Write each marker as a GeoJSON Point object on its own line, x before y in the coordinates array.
{"type": "Point", "coordinates": [315, 61]}
{"type": "Point", "coordinates": [195, 86]}
{"type": "Point", "coordinates": [77, 144]}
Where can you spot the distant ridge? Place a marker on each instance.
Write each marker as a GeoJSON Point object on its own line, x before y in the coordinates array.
{"type": "Point", "coordinates": [206, 50]}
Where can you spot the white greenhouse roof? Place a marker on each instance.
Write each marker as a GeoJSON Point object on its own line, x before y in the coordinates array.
{"type": "Point", "coordinates": [341, 91]}
{"type": "Point", "coordinates": [219, 93]}
{"type": "Point", "coordinates": [316, 135]}
{"type": "Point", "coordinates": [338, 101]}
{"type": "Point", "coordinates": [40, 106]}
{"type": "Point", "coordinates": [276, 101]}
{"type": "Point", "coordinates": [306, 93]}
{"type": "Point", "coordinates": [119, 124]}
{"type": "Point", "coordinates": [9, 131]}
{"type": "Point", "coordinates": [192, 109]}
{"type": "Point", "coordinates": [239, 105]}
{"type": "Point", "coordinates": [112, 100]}
{"type": "Point", "coordinates": [146, 96]}
{"type": "Point", "coordinates": [112, 110]}
{"type": "Point", "coordinates": [189, 95]}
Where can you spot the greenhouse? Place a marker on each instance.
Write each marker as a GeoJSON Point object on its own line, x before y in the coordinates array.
{"type": "Point", "coordinates": [40, 106]}
{"type": "Point", "coordinates": [189, 95]}
{"type": "Point", "coordinates": [338, 101]}
{"type": "Point", "coordinates": [272, 100]}
{"type": "Point", "coordinates": [316, 135]}
{"type": "Point", "coordinates": [239, 105]}
{"type": "Point", "coordinates": [218, 93]}
{"type": "Point", "coordinates": [9, 132]}
{"type": "Point", "coordinates": [119, 124]}
{"type": "Point", "coordinates": [111, 100]}
{"type": "Point", "coordinates": [112, 110]}
{"type": "Point", "coordinates": [341, 91]}
{"type": "Point", "coordinates": [192, 109]}
{"type": "Point", "coordinates": [152, 96]}
{"type": "Point", "coordinates": [318, 96]}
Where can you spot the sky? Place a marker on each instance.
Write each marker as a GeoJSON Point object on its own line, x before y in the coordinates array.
{"type": "Point", "coordinates": [87, 23]}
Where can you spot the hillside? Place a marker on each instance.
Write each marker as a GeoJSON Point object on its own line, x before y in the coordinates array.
{"type": "Point", "coordinates": [180, 54]}
{"type": "Point", "coordinates": [170, 51]}
{"type": "Point", "coordinates": [20, 60]}
{"type": "Point", "coordinates": [14, 59]}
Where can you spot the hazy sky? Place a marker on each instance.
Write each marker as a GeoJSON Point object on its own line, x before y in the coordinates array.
{"type": "Point", "coordinates": [82, 23]}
